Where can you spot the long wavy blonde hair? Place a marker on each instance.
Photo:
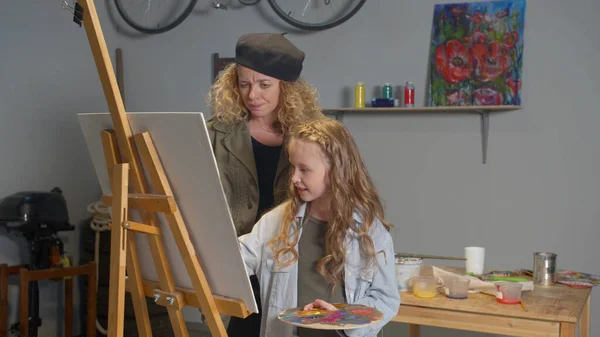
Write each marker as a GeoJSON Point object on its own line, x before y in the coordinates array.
{"type": "Point", "coordinates": [351, 189]}
{"type": "Point", "coordinates": [297, 101]}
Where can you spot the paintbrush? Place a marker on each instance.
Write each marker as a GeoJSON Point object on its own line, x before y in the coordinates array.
{"type": "Point", "coordinates": [424, 256]}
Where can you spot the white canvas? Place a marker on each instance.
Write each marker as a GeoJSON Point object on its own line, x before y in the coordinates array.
{"type": "Point", "coordinates": [184, 149]}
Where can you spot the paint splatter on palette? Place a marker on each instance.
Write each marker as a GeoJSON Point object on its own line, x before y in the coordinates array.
{"type": "Point", "coordinates": [348, 316]}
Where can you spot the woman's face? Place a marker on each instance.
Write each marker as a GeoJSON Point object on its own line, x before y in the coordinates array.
{"type": "Point", "coordinates": [259, 92]}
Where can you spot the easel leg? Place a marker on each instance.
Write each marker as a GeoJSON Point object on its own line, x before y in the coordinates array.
{"type": "Point", "coordinates": [166, 283]}
{"type": "Point", "coordinates": [160, 182]}
{"type": "Point", "coordinates": [125, 142]}
{"type": "Point", "coordinates": [134, 280]}
{"type": "Point", "coordinates": [116, 305]}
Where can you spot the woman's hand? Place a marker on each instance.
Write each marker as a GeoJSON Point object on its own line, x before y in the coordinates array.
{"type": "Point", "coordinates": [320, 304]}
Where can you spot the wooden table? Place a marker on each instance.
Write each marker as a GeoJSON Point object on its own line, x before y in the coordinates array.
{"type": "Point", "coordinates": [64, 274]}
{"type": "Point", "coordinates": [552, 311]}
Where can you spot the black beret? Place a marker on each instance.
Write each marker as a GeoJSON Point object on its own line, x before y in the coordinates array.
{"type": "Point", "coordinates": [270, 54]}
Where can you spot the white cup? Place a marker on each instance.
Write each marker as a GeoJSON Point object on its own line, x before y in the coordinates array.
{"type": "Point", "coordinates": [475, 258]}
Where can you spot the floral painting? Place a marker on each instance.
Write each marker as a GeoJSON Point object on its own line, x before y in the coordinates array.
{"type": "Point", "coordinates": [477, 54]}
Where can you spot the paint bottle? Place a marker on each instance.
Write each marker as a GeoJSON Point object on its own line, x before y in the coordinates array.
{"type": "Point", "coordinates": [409, 95]}
{"type": "Point", "coordinates": [359, 95]}
{"type": "Point", "coordinates": [387, 90]}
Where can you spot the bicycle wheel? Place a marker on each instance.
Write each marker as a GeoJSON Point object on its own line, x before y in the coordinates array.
{"type": "Point", "coordinates": [316, 14]}
{"type": "Point", "coordinates": [154, 16]}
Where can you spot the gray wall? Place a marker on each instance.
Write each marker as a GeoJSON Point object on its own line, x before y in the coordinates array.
{"type": "Point", "coordinates": [538, 190]}
{"type": "Point", "coordinates": [47, 76]}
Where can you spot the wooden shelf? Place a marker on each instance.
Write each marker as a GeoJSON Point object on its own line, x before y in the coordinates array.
{"type": "Point", "coordinates": [428, 109]}
{"type": "Point", "coordinates": [483, 110]}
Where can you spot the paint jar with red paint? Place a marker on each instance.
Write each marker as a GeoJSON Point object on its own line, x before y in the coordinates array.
{"type": "Point", "coordinates": [409, 95]}
{"type": "Point", "coordinates": [509, 292]}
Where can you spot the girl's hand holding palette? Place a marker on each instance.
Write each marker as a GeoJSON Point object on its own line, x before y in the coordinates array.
{"type": "Point", "coordinates": [347, 316]}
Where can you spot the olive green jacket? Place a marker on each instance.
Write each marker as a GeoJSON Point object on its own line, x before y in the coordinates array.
{"type": "Point", "coordinates": [232, 146]}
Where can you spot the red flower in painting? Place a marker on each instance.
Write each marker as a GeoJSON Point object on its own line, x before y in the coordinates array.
{"type": "Point", "coordinates": [491, 61]}
{"type": "Point", "coordinates": [486, 96]}
{"type": "Point", "coordinates": [477, 37]}
{"type": "Point", "coordinates": [514, 85]}
{"type": "Point", "coordinates": [510, 39]}
{"type": "Point", "coordinates": [456, 98]}
{"type": "Point", "coordinates": [453, 61]}
{"type": "Point", "coordinates": [457, 10]}
{"type": "Point", "coordinates": [478, 18]}
{"type": "Point", "coordinates": [502, 14]}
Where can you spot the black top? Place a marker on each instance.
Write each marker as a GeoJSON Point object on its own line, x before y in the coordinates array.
{"type": "Point", "coordinates": [311, 284]}
{"type": "Point", "coordinates": [267, 159]}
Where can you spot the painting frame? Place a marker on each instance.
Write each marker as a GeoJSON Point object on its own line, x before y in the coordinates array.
{"type": "Point", "coordinates": [476, 54]}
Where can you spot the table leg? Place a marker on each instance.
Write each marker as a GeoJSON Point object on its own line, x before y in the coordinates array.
{"type": "Point", "coordinates": [69, 307]}
{"type": "Point", "coordinates": [584, 320]}
{"type": "Point", "coordinates": [91, 300]}
{"type": "Point", "coordinates": [3, 300]}
{"type": "Point", "coordinates": [23, 303]}
{"type": "Point", "coordinates": [414, 330]}
{"type": "Point", "coordinates": [567, 329]}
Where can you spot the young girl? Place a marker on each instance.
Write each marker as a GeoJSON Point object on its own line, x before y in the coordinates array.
{"type": "Point", "coordinates": [329, 243]}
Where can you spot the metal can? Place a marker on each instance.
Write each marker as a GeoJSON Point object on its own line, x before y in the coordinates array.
{"type": "Point", "coordinates": [387, 91]}
{"type": "Point", "coordinates": [409, 95]}
{"type": "Point", "coordinates": [359, 95]}
{"type": "Point", "coordinates": [544, 268]}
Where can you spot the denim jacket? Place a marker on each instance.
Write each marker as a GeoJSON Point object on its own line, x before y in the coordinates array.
{"type": "Point", "coordinates": [374, 287]}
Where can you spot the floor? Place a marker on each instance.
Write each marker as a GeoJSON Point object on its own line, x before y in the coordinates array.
{"type": "Point", "coordinates": [198, 330]}
{"type": "Point", "coordinates": [201, 330]}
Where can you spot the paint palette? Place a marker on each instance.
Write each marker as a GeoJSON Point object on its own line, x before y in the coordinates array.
{"type": "Point", "coordinates": [348, 316]}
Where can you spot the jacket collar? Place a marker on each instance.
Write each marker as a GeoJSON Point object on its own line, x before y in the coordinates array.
{"type": "Point", "coordinates": [229, 128]}
{"type": "Point", "coordinates": [237, 141]}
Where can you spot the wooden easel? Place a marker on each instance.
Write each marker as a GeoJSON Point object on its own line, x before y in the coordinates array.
{"type": "Point", "coordinates": [125, 168]}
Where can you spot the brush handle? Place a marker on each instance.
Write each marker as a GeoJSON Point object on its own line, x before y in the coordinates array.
{"type": "Point", "coordinates": [506, 278]}
{"type": "Point", "coordinates": [437, 257]}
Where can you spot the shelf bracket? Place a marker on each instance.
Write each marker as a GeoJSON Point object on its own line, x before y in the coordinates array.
{"type": "Point", "coordinates": [337, 115]}
{"type": "Point", "coordinates": [485, 128]}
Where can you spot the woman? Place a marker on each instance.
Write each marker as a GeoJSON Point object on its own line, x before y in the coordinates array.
{"type": "Point", "coordinates": [255, 102]}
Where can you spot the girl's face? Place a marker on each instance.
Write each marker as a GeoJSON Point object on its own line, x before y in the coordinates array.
{"type": "Point", "coordinates": [259, 92]}
{"type": "Point", "coordinates": [309, 171]}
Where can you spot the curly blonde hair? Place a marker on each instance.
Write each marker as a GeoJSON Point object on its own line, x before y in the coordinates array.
{"type": "Point", "coordinates": [351, 189]}
{"type": "Point", "coordinates": [297, 102]}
